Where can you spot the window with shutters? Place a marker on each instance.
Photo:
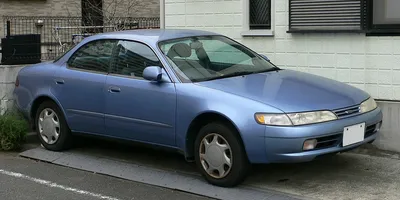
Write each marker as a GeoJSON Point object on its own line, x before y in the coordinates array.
{"type": "Point", "coordinates": [258, 17]}
{"type": "Point", "coordinates": [363, 16]}
{"type": "Point", "coordinates": [324, 15]}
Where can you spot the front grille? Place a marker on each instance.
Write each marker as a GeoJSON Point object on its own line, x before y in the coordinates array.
{"type": "Point", "coordinates": [347, 112]}
{"type": "Point", "coordinates": [328, 141]}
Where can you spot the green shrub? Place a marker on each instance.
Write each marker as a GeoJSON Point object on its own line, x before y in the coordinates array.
{"type": "Point", "coordinates": [13, 130]}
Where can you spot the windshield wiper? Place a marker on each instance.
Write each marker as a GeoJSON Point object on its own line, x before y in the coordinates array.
{"type": "Point", "coordinates": [268, 70]}
{"type": "Point", "coordinates": [231, 75]}
{"type": "Point", "coordinates": [240, 73]}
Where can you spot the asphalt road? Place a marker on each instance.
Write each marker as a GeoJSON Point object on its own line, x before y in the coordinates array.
{"type": "Point", "coordinates": [365, 173]}
{"type": "Point", "coordinates": [22, 179]}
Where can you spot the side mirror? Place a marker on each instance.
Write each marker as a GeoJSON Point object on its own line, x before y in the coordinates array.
{"type": "Point", "coordinates": [153, 73]}
{"type": "Point", "coordinates": [264, 56]}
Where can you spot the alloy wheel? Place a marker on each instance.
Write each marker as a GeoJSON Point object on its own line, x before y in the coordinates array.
{"type": "Point", "coordinates": [215, 155]}
{"type": "Point", "coordinates": [49, 126]}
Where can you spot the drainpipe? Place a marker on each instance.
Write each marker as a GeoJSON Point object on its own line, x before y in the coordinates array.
{"type": "Point", "coordinates": [8, 29]}
{"type": "Point", "coordinates": [162, 14]}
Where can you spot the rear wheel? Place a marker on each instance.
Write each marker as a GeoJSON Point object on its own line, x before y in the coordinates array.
{"type": "Point", "coordinates": [220, 155]}
{"type": "Point", "coordinates": [52, 128]}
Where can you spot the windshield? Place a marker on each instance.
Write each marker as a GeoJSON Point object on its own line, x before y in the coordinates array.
{"type": "Point", "coordinates": [212, 57]}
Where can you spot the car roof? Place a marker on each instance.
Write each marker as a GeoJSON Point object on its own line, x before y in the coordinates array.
{"type": "Point", "coordinates": [153, 35]}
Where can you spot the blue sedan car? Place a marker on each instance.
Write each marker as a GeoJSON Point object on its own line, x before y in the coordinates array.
{"type": "Point", "coordinates": [209, 97]}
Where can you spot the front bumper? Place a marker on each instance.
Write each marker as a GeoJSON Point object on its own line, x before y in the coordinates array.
{"type": "Point", "coordinates": [285, 144]}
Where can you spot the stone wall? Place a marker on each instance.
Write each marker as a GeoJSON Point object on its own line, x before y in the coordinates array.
{"type": "Point", "coordinates": [8, 74]}
{"type": "Point", "coordinates": [37, 8]}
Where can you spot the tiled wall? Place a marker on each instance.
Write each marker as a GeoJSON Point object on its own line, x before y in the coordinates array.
{"type": "Point", "coordinates": [370, 63]}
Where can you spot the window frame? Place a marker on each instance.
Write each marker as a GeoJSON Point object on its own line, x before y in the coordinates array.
{"type": "Point", "coordinates": [133, 77]}
{"type": "Point", "coordinates": [86, 70]}
{"type": "Point", "coordinates": [378, 29]}
{"type": "Point", "coordinates": [246, 31]}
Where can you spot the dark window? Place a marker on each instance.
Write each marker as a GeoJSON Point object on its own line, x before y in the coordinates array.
{"type": "Point", "coordinates": [94, 56]}
{"type": "Point", "coordinates": [369, 16]}
{"type": "Point", "coordinates": [384, 16]}
{"type": "Point", "coordinates": [131, 59]}
{"type": "Point", "coordinates": [260, 14]}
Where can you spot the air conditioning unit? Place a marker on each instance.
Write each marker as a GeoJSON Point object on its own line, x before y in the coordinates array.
{"type": "Point", "coordinates": [21, 49]}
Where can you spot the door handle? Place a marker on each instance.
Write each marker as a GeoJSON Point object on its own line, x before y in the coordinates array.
{"type": "Point", "coordinates": [59, 81]}
{"type": "Point", "coordinates": [114, 89]}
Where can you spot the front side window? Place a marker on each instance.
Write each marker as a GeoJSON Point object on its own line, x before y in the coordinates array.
{"type": "Point", "coordinates": [132, 58]}
{"type": "Point", "coordinates": [212, 57]}
{"type": "Point", "coordinates": [93, 56]}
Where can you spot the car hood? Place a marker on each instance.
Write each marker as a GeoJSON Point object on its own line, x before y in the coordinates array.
{"type": "Point", "coordinates": [291, 91]}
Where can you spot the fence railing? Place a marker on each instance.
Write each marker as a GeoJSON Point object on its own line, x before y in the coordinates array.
{"type": "Point", "coordinates": [57, 34]}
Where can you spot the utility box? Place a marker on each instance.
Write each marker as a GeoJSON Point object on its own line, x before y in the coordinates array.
{"type": "Point", "coordinates": [21, 49]}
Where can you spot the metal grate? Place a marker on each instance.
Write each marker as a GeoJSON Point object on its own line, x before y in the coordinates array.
{"type": "Point", "coordinates": [260, 14]}
{"type": "Point", "coordinates": [347, 112]}
{"type": "Point", "coordinates": [58, 34]}
{"type": "Point", "coordinates": [314, 15]}
{"type": "Point", "coordinates": [328, 141]}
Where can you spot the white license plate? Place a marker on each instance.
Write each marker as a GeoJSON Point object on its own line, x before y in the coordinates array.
{"type": "Point", "coordinates": [353, 134]}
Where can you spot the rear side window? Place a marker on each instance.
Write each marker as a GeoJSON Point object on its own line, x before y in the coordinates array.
{"type": "Point", "coordinates": [93, 56]}
{"type": "Point", "coordinates": [132, 58]}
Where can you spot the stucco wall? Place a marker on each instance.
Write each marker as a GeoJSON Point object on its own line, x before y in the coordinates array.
{"type": "Point", "coordinates": [8, 75]}
{"type": "Point", "coordinates": [369, 63]}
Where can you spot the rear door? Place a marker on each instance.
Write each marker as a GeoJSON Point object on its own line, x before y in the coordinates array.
{"type": "Point", "coordinates": [80, 86]}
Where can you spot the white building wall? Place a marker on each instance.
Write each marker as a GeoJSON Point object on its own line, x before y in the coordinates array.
{"type": "Point", "coordinates": [369, 63]}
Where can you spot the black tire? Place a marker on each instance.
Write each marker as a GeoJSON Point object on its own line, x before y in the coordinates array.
{"type": "Point", "coordinates": [240, 163]}
{"type": "Point", "coordinates": [65, 138]}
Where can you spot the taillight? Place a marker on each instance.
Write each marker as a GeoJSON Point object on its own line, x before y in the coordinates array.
{"type": "Point", "coordinates": [17, 82]}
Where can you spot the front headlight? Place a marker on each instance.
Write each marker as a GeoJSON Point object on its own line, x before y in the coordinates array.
{"type": "Point", "coordinates": [311, 117]}
{"type": "Point", "coordinates": [273, 119]}
{"type": "Point", "coordinates": [368, 105]}
{"type": "Point", "coordinates": [295, 118]}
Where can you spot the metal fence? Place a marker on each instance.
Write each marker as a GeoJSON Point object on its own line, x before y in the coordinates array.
{"type": "Point", "coordinates": [58, 34]}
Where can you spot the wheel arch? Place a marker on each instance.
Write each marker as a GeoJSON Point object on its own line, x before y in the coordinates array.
{"type": "Point", "coordinates": [37, 102]}
{"type": "Point", "coordinates": [201, 120]}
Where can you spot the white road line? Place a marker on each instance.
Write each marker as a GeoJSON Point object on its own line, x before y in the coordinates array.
{"type": "Point", "coordinates": [55, 185]}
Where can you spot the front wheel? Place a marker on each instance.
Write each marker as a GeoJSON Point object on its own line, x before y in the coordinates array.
{"type": "Point", "coordinates": [220, 155]}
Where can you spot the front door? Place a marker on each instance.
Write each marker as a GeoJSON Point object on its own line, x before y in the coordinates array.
{"type": "Point", "coordinates": [138, 109]}
{"type": "Point", "coordinates": [80, 86]}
